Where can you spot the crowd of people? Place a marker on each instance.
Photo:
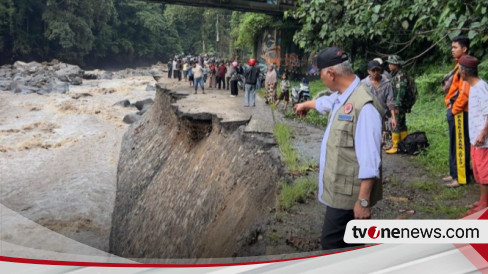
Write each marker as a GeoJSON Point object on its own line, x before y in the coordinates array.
{"type": "Point", "coordinates": [222, 74]}
{"type": "Point", "coordinates": [350, 155]}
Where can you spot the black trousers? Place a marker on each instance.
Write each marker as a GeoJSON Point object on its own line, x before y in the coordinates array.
{"type": "Point", "coordinates": [334, 228]}
{"type": "Point", "coordinates": [220, 82]}
{"type": "Point", "coordinates": [234, 89]}
{"type": "Point", "coordinates": [453, 169]}
{"type": "Point", "coordinates": [170, 72]}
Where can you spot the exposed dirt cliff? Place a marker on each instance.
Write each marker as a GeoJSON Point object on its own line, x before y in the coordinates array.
{"type": "Point", "coordinates": [190, 184]}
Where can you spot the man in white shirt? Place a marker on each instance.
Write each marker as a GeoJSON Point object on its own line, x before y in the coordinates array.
{"type": "Point", "coordinates": [478, 122]}
{"type": "Point", "coordinates": [175, 74]}
{"type": "Point", "coordinates": [198, 77]}
{"type": "Point", "coordinates": [350, 155]}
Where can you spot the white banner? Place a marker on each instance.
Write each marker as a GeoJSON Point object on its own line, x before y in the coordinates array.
{"type": "Point", "coordinates": [416, 231]}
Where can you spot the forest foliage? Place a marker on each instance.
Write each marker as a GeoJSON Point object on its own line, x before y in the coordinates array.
{"type": "Point", "coordinates": [107, 31]}
{"type": "Point", "coordinates": [128, 31]}
{"type": "Point", "coordinates": [414, 29]}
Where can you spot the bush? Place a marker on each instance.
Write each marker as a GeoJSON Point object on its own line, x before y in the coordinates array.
{"type": "Point", "coordinates": [483, 69]}
{"type": "Point", "coordinates": [430, 83]}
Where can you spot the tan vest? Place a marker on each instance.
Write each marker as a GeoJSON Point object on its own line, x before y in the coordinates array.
{"type": "Point", "coordinates": [341, 183]}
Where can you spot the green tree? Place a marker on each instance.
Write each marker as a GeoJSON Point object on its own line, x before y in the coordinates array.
{"type": "Point", "coordinates": [249, 26]}
{"type": "Point", "coordinates": [72, 26]}
{"type": "Point", "coordinates": [6, 12]}
{"type": "Point", "coordinates": [142, 31]}
{"type": "Point", "coordinates": [26, 29]}
{"type": "Point", "coordinates": [186, 21]}
{"type": "Point", "coordinates": [411, 28]}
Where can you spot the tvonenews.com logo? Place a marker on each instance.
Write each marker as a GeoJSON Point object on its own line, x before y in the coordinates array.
{"type": "Point", "coordinates": [417, 231]}
{"type": "Point", "coordinates": [373, 232]}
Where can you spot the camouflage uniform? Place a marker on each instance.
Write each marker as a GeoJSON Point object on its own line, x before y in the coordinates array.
{"type": "Point", "coordinates": [399, 82]}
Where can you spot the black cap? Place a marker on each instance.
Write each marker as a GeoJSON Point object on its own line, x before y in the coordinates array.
{"type": "Point", "coordinates": [373, 64]}
{"type": "Point", "coordinates": [330, 57]}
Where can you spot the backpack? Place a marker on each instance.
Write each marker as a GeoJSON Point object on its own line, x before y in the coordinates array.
{"type": "Point", "coordinates": [413, 143]}
{"type": "Point", "coordinates": [447, 81]}
{"type": "Point", "coordinates": [411, 95]}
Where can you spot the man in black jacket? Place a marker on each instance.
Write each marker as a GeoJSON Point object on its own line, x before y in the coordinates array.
{"type": "Point", "coordinates": [251, 75]}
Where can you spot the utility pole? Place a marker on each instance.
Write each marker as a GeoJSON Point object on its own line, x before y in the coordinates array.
{"type": "Point", "coordinates": [217, 38]}
{"type": "Point", "coordinates": [203, 41]}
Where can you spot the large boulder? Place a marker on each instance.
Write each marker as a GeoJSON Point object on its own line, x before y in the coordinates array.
{"type": "Point", "coordinates": [91, 75]}
{"type": "Point", "coordinates": [131, 118]}
{"type": "Point", "coordinates": [5, 84]}
{"type": "Point", "coordinates": [140, 104]}
{"type": "Point", "coordinates": [123, 103]}
{"type": "Point", "coordinates": [69, 73]}
{"type": "Point", "coordinates": [56, 86]}
{"type": "Point", "coordinates": [22, 77]}
{"type": "Point", "coordinates": [23, 89]}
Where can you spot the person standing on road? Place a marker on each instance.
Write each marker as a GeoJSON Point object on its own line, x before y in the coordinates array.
{"type": "Point", "coordinates": [179, 69]}
{"type": "Point", "coordinates": [285, 92]}
{"type": "Point", "coordinates": [212, 77]}
{"type": "Point", "coordinates": [190, 73]}
{"type": "Point", "coordinates": [270, 84]}
{"type": "Point", "coordinates": [478, 120]}
{"type": "Point", "coordinates": [185, 70]}
{"type": "Point", "coordinates": [175, 73]}
{"type": "Point", "coordinates": [456, 100]}
{"type": "Point", "coordinates": [228, 74]}
{"type": "Point", "coordinates": [221, 71]}
{"type": "Point", "coordinates": [170, 68]}
{"type": "Point", "coordinates": [198, 77]}
{"type": "Point", "coordinates": [350, 155]}
{"type": "Point", "coordinates": [205, 72]}
{"type": "Point", "coordinates": [381, 87]}
{"type": "Point", "coordinates": [251, 75]}
{"type": "Point", "coordinates": [234, 77]}
{"type": "Point", "coordinates": [261, 76]}
{"type": "Point", "coordinates": [399, 83]}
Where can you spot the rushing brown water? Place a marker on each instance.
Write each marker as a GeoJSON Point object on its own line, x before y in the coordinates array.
{"type": "Point", "coordinates": [59, 153]}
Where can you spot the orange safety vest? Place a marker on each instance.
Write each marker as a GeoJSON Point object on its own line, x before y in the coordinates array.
{"type": "Point", "coordinates": [458, 94]}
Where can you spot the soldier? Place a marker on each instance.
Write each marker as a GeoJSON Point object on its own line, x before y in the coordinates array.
{"type": "Point", "coordinates": [399, 82]}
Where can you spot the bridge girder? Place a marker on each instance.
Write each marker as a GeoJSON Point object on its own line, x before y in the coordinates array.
{"type": "Point", "coordinates": [260, 6]}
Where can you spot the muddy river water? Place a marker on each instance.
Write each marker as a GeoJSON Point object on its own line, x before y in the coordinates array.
{"type": "Point", "coordinates": [59, 155]}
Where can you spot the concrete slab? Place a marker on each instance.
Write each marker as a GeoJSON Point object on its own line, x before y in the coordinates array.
{"type": "Point", "coordinates": [259, 119]}
{"type": "Point", "coordinates": [262, 120]}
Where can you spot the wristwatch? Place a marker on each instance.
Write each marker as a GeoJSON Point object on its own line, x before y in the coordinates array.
{"type": "Point", "coordinates": [363, 202]}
